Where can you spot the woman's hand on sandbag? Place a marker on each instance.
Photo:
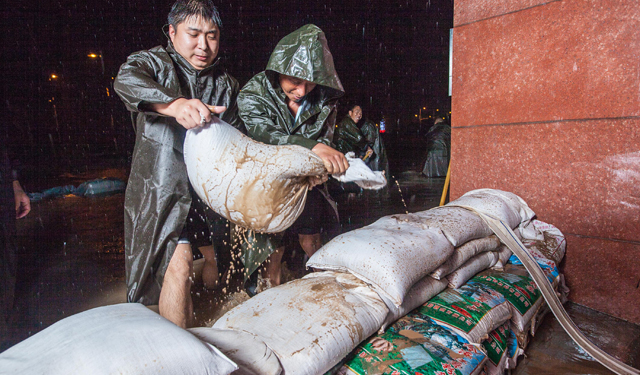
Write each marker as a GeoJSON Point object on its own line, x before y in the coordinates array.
{"type": "Point", "coordinates": [334, 161]}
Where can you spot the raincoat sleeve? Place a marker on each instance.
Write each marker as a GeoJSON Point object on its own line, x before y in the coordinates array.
{"type": "Point", "coordinates": [231, 115]}
{"type": "Point", "coordinates": [137, 82]}
{"type": "Point", "coordinates": [256, 112]}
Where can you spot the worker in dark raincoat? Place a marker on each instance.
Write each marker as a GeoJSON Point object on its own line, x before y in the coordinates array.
{"type": "Point", "coordinates": [438, 149]}
{"type": "Point", "coordinates": [168, 90]}
{"type": "Point", "coordinates": [293, 102]}
{"type": "Point", "coordinates": [14, 204]}
{"type": "Point", "coordinates": [378, 160]}
{"type": "Point", "coordinates": [348, 136]}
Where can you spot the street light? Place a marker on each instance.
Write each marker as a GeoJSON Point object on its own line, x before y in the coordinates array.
{"type": "Point", "coordinates": [53, 76]}
{"type": "Point", "coordinates": [95, 56]}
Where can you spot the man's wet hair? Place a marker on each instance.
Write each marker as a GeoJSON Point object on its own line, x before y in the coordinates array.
{"type": "Point", "coordinates": [185, 9]}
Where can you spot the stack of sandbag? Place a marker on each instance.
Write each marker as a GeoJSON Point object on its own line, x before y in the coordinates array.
{"type": "Point", "coordinates": [496, 312]}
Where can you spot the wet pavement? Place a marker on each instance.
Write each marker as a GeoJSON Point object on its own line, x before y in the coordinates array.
{"type": "Point", "coordinates": [72, 259]}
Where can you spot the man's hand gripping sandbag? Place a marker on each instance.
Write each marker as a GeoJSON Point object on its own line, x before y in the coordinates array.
{"type": "Point", "coordinates": [252, 184]}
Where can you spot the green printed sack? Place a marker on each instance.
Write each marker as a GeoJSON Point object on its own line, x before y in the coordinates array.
{"type": "Point", "coordinates": [519, 289]}
{"type": "Point", "coordinates": [405, 351]}
{"type": "Point", "coordinates": [472, 310]}
{"type": "Point", "coordinates": [496, 347]}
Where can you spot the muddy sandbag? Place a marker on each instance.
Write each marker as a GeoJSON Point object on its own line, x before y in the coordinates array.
{"type": "Point", "coordinates": [471, 267]}
{"type": "Point", "coordinates": [420, 292]}
{"type": "Point", "coordinates": [391, 254]}
{"type": "Point", "coordinates": [459, 225]}
{"type": "Point", "coordinates": [508, 207]}
{"type": "Point", "coordinates": [504, 254]}
{"type": "Point", "coordinates": [255, 185]}
{"type": "Point", "coordinates": [464, 253]}
{"type": "Point", "coordinates": [310, 323]}
{"type": "Point", "coordinates": [126, 338]}
{"type": "Point", "coordinates": [250, 354]}
{"type": "Point", "coordinates": [552, 244]}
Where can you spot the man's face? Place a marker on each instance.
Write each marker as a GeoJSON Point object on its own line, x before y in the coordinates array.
{"type": "Point", "coordinates": [295, 88]}
{"type": "Point", "coordinates": [355, 114]}
{"type": "Point", "coordinates": [196, 40]}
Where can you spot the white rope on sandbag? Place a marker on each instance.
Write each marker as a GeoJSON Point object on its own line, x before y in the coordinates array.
{"type": "Point", "coordinates": [508, 237]}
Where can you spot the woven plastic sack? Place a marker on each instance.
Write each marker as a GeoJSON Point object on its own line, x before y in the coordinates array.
{"type": "Point", "coordinates": [255, 185]}
{"type": "Point", "coordinates": [503, 205]}
{"type": "Point", "coordinates": [126, 338]}
{"type": "Point", "coordinates": [464, 253]}
{"type": "Point", "coordinates": [391, 254]}
{"type": "Point", "coordinates": [458, 224]}
{"type": "Point", "coordinates": [420, 292]}
{"type": "Point", "coordinates": [504, 254]}
{"type": "Point", "coordinates": [552, 246]}
{"type": "Point", "coordinates": [471, 267]}
{"type": "Point", "coordinates": [519, 289]}
{"type": "Point", "coordinates": [472, 311]}
{"type": "Point", "coordinates": [250, 354]}
{"type": "Point", "coordinates": [413, 346]}
{"type": "Point", "coordinates": [496, 347]}
{"type": "Point", "coordinates": [310, 323]}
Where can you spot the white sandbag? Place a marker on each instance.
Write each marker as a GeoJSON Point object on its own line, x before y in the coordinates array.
{"type": "Point", "coordinates": [255, 185]}
{"type": "Point", "coordinates": [361, 174]}
{"type": "Point", "coordinates": [391, 254]}
{"type": "Point", "coordinates": [503, 205]}
{"type": "Point", "coordinates": [250, 354]}
{"type": "Point", "coordinates": [464, 253]}
{"type": "Point", "coordinates": [471, 267]}
{"type": "Point", "coordinates": [310, 323]}
{"type": "Point", "coordinates": [420, 292]}
{"type": "Point", "coordinates": [504, 253]}
{"type": "Point", "coordinates": [458, 224]}
{"type": "Point", "coordinates": [126, 338]}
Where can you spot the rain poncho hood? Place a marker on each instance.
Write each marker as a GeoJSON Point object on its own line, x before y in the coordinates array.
{"type": "Point", "coordinates": [305, 54]}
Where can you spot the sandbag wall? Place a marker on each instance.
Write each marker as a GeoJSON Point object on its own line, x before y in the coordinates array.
{"type": "Point", "coordinates": [432, 292]}
{"type": "Point", "coordinates": [413, 263]}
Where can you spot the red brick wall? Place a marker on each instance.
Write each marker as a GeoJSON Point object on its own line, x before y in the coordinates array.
{"type": "Point", "coordinates": [546, 104]}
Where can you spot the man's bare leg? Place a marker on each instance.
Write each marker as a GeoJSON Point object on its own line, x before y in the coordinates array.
{"type": "Point", "coordinates": [175, 297]}
{"type": "Point", "coordinates": [310, 243]}
{"type": "Point", "coordinates": [273, 269]}
{"type": "Point", "coordinates": [210, 275]}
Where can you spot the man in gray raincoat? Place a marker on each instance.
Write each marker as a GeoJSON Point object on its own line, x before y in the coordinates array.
{"type": "Point", "coordinates": [168, 90]}
{"type": "Point", "coordinates": [293, 102]}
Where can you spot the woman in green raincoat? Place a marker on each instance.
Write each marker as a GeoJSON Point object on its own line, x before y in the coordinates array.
{"type": "Point", "coordinates": [293, 102]}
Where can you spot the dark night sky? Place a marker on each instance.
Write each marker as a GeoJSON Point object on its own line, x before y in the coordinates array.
{"type": "Point", "coordinates": [392, 56]}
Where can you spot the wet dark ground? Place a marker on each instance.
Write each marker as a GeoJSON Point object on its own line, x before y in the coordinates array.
{"type": "Point", "coordinates": [71, 260]}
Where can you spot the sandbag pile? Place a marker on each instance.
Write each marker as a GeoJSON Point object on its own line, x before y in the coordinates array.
{"type": "Point", "coordinates": [452, 299]}
{"type": "Point", "coordinates": [496, 312]}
